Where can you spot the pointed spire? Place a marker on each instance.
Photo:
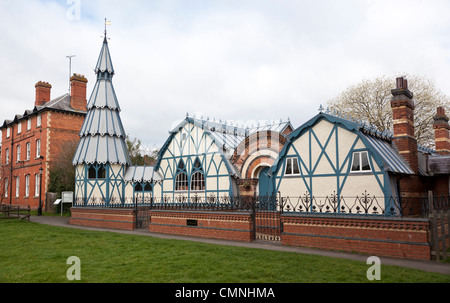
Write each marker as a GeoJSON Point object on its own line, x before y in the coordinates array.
{"type": "Point", "coordinates": [104, 62]}
{"type": "Point", "coordinates": [102, 136]}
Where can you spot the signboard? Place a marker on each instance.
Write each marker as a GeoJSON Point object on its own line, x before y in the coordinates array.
{"type": "Point", "coordinates": [67, 196]}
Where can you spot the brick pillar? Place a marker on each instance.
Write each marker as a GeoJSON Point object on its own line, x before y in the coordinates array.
{"type": "Point", "coordinates": [78, 92]}
{"type": "Point", "coordinates": [42, 93]}
{"type": "Point", "coordinates": [403, 121]}
{"type": "Point", "coordinates": [441, 132]}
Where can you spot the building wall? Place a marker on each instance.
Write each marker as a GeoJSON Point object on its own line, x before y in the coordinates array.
{"type": "Point", "coordinates": [188, 144]}
{"type": "Point", "coordinates": [324, 152]}
{"type": "Point", "coordinates": [107, 190]}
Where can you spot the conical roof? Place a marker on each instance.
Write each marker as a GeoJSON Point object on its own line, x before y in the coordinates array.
{"type": "Point", "coordinates": [102, 136]}
{"type": "Point", "coordinates": [104, 62]}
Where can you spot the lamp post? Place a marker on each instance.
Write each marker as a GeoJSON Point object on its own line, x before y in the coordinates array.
{"type": "Point", "coordinates": [40, 192]}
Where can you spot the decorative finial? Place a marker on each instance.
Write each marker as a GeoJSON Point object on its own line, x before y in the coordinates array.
{"type": "Point", "coordinates": [320, 108]}
{"type": "Point", "coordinates": [106, 23]}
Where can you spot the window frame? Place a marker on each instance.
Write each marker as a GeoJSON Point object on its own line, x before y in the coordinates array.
{"type": "Point", "coordinates": [37, 184]}
{"type": "Point", "coordinates": [38, 148]}
{"type": "Point", "coordinates": [181, 184]}
{"type": "Point", "coordinates": [291, 160]}
{"type": "Point", "coordinates": [96, 171]}
{"type": "Point", "coordinates": [17, 186]}
{"type": "Point", "coordinates": [27, 185]}
{"type": "Point", "coordinates": [198, 181]}
{"type": "Point", "coordinates": [28, 151]}
{"type": "Point", "coordinates": [360, 170]}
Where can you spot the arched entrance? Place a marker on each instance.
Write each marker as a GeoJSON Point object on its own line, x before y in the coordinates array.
{"type": "Point", "coordinates": [264, 181]}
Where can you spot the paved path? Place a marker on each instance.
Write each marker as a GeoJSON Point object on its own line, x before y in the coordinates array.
{"type": "Point", "coordinates": [430, 266]}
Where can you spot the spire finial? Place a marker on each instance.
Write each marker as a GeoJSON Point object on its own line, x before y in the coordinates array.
{"type": "Point", "coordinates": [106, 23]}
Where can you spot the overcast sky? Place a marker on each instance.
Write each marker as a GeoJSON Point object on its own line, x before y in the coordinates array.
{"type": "Point", "coordinates": [243, 60]}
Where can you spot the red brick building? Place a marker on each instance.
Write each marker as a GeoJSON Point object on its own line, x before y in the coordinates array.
{"type": "Point", "coordinates": [34, 139]}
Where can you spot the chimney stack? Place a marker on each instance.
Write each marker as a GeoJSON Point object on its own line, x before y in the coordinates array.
{"type": "Point", "coordinates": [42, 93]}
{"type": "Point", "coordinates": [78, 92]}
{"type": "Point", "coordinates": [441, 132]}
{"type": "Point", "coordinates": [403, 121]}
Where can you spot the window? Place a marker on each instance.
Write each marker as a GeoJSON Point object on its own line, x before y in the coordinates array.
{"type": "Point", "coordinates": [97, 171]}
{"type": "Point", "coordinates": [38, 148]}
{"type": "Point", "coordinates": [360, 162]}
{"type": "Point", "coordinates": [7, 156]}
{"type": "Point", "coordinates": [38, 120]}
{"type": "Point", "coordinates": [143, 187]}
{"type": "Point", "coordinates": [198, 178]}
{"type": "Point", "coordinates": [8, 132]}
{"type": "Point", "coordinates": [19, 128]}
{"type": "Point", "coordinates": [181, 180]}
{"type": "Point", "coordinates": [18, 153]}
{"type": "Point", "coordinates": [198, 181]}
{"type": "Point", "coordinates": [6, 188]}
{"type": "Point", "coordinates": [37, 183]}
{"type": "Point", "coordinates": [28, 124]}
{"type": "Point", "coordinates": [292, 167]}
{"type": "Point", "coordinates": [17, 186]}
{"type": "Point", "coordinates": [27, 185]}
{"type": "Point", "coordinates": [28, 150]}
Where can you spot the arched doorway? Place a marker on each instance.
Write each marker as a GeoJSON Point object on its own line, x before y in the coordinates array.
{"type": "Point", "coordinates": [264, 181]}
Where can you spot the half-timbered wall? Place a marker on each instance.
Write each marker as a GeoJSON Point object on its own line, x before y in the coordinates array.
{"type": "Point", "coordinates": [191, 142]}
{"type": "Point", "coordinates": [100, 188]}
{"type": "Point", "coordinates": [324, 153]}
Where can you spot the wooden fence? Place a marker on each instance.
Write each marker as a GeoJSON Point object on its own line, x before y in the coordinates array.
{"type": "Point", "coordinates": [15, 211]}
{"type": "Point", "coordinates": [439, 232]}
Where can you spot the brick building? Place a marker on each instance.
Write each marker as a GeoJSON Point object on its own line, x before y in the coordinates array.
{"type": "Point", "coordinates": [34, 139]}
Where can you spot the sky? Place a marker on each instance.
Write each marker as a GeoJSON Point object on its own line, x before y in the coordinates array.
{"type": "Point", "coordinates": [245, 61]}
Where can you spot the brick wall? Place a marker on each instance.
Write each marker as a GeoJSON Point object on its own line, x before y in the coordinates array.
{"type": "Point", "coordinates": [103, 217]}
{"type": "Point", "coordinates": [402, 238]}
{"type": "Point", "coordinates": [217, 225]}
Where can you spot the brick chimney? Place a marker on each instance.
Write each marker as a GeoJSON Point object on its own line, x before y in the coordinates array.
{"type": "Point", "coordinates": [441, 132]}
{"type": "Point", "coordinates": [403, 121]}
{"type": "Point", "coordinates": [78, 92]}
{"type": "Point", "coordinates": [42, 93]}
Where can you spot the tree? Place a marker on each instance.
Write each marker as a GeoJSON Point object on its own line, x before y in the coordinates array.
{"type": "Point", "coordinates": [370, 101]}
{"type": "Point", "coordinates": [140, 155]}
{"type": "Point", "coordinates": [62, 171]}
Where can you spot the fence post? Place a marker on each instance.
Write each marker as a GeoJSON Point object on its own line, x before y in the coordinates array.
{"type": "Point", "coordinates": [430, 202]}
{"type": "Point", "coordinates": [443, 233]}
{"type": "Point", "coordinates": [435, 235]}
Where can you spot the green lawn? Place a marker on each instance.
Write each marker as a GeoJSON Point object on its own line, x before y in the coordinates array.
{"type": "Point", "coordinates": [31, 252]}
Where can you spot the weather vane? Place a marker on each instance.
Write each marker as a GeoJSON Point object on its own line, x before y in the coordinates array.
{"type": "Point", "coordinates": [106, 23]}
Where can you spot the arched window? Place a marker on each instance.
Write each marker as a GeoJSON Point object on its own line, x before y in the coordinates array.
{"type": "Point", "coordinates": [97, 171]}
{"type": "Point", "coordinates": [198, 181]}
{"type": "Point", "coordinates": [181, 180]}
{"type": "Point", "coordinates": [198, 178]}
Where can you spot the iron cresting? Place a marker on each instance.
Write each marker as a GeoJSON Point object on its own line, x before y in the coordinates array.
{"type": "Point", "coordinates": [227, 292]}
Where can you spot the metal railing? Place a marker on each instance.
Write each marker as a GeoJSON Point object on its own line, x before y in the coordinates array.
{"type": "Point", "coordinates": [364, 204]}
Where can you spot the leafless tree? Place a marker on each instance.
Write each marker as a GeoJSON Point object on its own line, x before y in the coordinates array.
{"type": "Point", "coordinates": [370, 99]}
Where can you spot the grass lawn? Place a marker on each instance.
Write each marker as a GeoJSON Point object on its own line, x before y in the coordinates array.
{"type": "Point", "coordinates": [31, 252]}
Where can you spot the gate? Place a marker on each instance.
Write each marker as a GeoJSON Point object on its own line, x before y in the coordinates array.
{"type": "Point", "coordinates": [142, 216]}
{"type": "Point", "coordinates": [267, 219]}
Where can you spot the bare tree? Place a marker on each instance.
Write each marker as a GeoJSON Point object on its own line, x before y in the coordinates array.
{"type": "Point", "coordinates": [370, 102]}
